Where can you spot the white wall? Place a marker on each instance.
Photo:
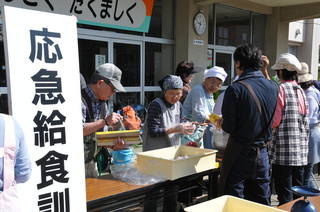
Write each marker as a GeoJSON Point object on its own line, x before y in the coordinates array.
{"type": "Point", "coordinates": [307, 43]}
{"type": "Point", "coordinates": [294, 28]}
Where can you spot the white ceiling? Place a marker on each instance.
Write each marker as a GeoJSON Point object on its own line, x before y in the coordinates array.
{"type": "Point", "coordinates": [281, 3]}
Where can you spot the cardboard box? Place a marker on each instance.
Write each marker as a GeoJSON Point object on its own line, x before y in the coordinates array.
{"type": "Point", "coordinates": [162, 163]}
{"type": "Point", "coordinates": [228, 203]}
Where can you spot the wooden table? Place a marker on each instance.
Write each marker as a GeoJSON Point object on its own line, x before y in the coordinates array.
{"type": "Point", "coordinates": [107, 193]}
{"type": "Point", "coordinates": [314, 200]}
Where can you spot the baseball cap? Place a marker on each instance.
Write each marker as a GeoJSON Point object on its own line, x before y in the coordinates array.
{"type": "Point", "coordinates": [287, 61]}
{"type": "Point", "coordinates": [216, 71]}
{"type": "Point", "coordinates": [112, 73]}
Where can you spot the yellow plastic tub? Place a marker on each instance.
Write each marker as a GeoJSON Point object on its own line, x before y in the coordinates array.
{"type": "Point", "coordinates": [162, 163]}
{"type": "Point", "coordinates": [228, 203]}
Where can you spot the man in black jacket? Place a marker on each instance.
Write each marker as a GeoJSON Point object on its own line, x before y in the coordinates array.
{"type": "Point", "coordinates": [245, 165]}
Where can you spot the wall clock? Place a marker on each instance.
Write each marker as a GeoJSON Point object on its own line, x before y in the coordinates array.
{"type": "Point", "coordinates": [200, 23]}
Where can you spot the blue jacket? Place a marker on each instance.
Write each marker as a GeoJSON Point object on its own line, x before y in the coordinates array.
{"type": "Point", "coordinates": [241, 117]}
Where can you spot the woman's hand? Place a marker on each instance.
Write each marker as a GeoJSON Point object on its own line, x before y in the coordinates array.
{"type": "Point", "coordinates": [183, 128]}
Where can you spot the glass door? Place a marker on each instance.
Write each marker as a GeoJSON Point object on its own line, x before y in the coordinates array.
{"type": "Point", "coordinates": [223, 57]}
{"type": "Point", "coordinates": [92, 54]}
{"type": "Point", "coordinates": [127, 55]}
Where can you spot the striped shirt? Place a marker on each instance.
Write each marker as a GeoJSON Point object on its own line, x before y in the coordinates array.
{"type": "Point", "coordinates": [155, 118]}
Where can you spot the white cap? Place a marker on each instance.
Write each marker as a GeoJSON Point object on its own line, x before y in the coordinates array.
{"type": "Point", "coordinates": [216, 71]}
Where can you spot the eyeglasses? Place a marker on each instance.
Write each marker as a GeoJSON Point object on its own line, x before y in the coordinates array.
{"type": "Point", "coordinates": [214, 82]}
{"type": "Point", "coordinates": [113, 89]}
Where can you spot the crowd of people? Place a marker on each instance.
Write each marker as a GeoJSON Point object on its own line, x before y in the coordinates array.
{"type": "Point", "coordinates": [273, 128]}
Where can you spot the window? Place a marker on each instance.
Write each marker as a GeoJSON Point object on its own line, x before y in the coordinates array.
{"type": "Point", "coordinates": [144, 58]}
{"type": "Point", "coordinates": [319, 65]}
{"type": "Point", "coordinates": [161, 25]}
{"type": "Point", "coordinates": [88, 51]}
{"type": "Point", "coordinates": [230, 26]}
{"type": "Point", "coordinates": [258, 30]}
{"type": "Point", "coordinates": [292, 50]}
{"type": "Point", "coordinates": [159, 62]}
{"type": "Point", "coordinates": [232, 23]}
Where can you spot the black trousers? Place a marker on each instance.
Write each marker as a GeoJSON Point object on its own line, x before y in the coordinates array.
{"type": "Point", "coordinates": [284, 178]}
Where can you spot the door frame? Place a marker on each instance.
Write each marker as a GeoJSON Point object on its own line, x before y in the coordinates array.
{"type": "Point", "coordinates": [225, 50]}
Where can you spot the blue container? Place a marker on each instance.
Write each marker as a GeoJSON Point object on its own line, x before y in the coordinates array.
{"type": "Point", "coordinates": [122, 156]}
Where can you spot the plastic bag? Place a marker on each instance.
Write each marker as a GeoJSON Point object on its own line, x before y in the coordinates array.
{"type": "Point", "coordinates": [130, 174]}
{"type": "Point", "coordinates": [219, 139]}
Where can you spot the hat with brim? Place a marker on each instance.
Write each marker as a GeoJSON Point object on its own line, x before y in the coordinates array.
{"type": "Point", "coordinates": [196, 69]}
{"type": "Point", "coordinates": [304, 77]}
{"type": "Point", "coordinates": [184, 70]}
{"type": "Point", "coordinates": [304, 68]}
{"type": "Point", "coordinates": [112, 73]}
{"type": "Point", "coordinates": [287, 61]}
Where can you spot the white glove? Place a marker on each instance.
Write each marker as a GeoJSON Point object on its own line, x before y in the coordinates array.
{"type": "Point", "coordinates": [185, 128]}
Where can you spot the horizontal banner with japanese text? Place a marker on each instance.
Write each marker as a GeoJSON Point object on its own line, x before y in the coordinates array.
{"type": "Point", "coordinates": [132, 15]}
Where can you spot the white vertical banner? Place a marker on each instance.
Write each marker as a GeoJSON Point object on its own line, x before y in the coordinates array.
{"type": "Point", "coordinates": [41, 51]}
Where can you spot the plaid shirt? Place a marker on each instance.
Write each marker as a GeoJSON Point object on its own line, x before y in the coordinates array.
{"type": "Point", "coordinates": [96, 106]}
{"type": "Point", "coordinates": [289, 146]}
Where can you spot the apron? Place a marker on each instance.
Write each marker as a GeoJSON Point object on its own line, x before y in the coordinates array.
{"type": "Point", "coordinates": [9, 200]}
{"type": "Point", "coordinates": [231, 153]}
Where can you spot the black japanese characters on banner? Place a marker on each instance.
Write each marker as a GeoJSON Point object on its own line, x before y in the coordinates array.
{"type": "Point", "coordinates": [43, 133]}
{"type": "Point", "coordinates": [105, 6]}
{"type": "Point", "coordinates": [36, 48]}
{"type": "Point", "coordinates": [49, 128]}
{"type": "Point", "coordinates": [78, 5]}
{"type": "Point", "coordinates": [47, 83]}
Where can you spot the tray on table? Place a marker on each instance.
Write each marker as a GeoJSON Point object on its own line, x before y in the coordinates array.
{"type": "Point", "coordinates": [108, 138]}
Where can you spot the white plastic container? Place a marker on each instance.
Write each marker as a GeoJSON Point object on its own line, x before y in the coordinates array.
{"type": "Point", "coordinates": [162, 163]}
{"type": "Point", "coordinates": [228, 203]}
